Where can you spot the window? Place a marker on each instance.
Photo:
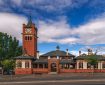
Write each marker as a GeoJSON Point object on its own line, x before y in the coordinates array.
{"type": "Point", "coordinates": [46, 65]}
{"type": "Point", "coordinates": [26, 64]}
{"type": "Point", "coordinates": [88, 65]}
{"type": "Point", "coordinates": [96, 66]}
{"type": "Point", "coordinates": [30, 38]}
{"type": "Point", "coordinates": [35, 66]}
{"type": "Point", "coordinates": [80, 65]}
{"type": "Point", "coordinates": [19, 64]}
{"type": "Point", "coordinates": [103, 65]}
{"type": "Point", "coordinates": [66, 66]}
{"type": "Point", "coordinates": [40, 65]}
{"type": "Point", "coordinates": [25, 37]}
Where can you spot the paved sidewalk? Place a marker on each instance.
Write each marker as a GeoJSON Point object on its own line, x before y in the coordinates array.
{"type": "Point", "coordinates": [61, 79]}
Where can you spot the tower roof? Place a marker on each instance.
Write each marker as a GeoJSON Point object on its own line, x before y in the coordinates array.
{"type": "Point", "coordinates": [29, 24]}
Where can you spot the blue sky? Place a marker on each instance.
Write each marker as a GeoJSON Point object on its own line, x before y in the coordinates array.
{"type": "Point", "coordinates": [73, 24]}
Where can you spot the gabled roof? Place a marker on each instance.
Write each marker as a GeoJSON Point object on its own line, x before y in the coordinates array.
{"type": "Point", "coordinates": [57, 53]}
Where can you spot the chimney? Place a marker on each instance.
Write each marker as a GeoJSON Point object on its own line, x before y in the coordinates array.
{"type": "Point", "coordinates": [79, 53]}
{"type": "Point", "coordinates": [67, 53]}
{"type": "Point", "coordinates": [49, 57]}
{"type": "Point", "coordinates": [90, 52]}
{"type": "Point", "coordinates": [37, 54]}
{"type": "Point", "coordinates": [57, 57]}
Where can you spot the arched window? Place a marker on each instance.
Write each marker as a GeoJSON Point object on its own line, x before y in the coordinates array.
{"type": "Point", "coordinates": [80, 65]}
{"type": "Point", "coordinates": [26, 64]}
{"type": "Point", "coordinates": [25, 37]}
{"type": "Point", "coordinates": [30, 38]}
{"type": "Point", "coordinates": [19, 64]}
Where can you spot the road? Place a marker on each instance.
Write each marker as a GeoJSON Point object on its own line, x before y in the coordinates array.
{"type": "Point", "coordinates": [58, 82]}
{"type": "Point", "coordinates": [62, 79]}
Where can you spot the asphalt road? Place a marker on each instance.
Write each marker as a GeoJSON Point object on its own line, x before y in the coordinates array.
{"type": "Point", "coordinates": [58, 82]}
{"type": "Point", "coordinates": [61, 79]}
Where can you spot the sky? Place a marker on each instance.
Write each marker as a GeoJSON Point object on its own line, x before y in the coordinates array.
{"type": "Point", "coordinates": [71, 24]}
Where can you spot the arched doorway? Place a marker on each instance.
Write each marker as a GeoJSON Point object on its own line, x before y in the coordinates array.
{"type": "Point", "coordinates": [53, 67]}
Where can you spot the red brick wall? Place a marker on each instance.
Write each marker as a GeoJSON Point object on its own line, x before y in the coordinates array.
{"type": "Point", "coordinates": [40, 70]}
{"type": "Point", "coordinates": [53, 60]}
{"type": "Point", "coordinates": [81, 70]}
{"type": "Point", "coordinates": [44, 70]}
{"type": "Point", "coordinates": [23, 71]}
{"type": "Point", "coordinates": [30, 46]}
{"type": "Point", "coordinates": [103, 70]}
{"type": "Point", "coordinates": [67, 70]}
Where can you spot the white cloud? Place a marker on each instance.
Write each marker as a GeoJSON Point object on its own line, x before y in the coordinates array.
{"type": "Point", "coordinates": [12, 24]}
{"type": "Point", "coordinates": [1, 2]}
{"type": "Point", "coordinates": [60, 31]}
{"type": "Point", "coordinates": [92, 32]}
{"type": "Point", "coordinates": [57, 31]}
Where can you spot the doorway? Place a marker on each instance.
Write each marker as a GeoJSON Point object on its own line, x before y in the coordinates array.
{"type": "Point", "coordinates": [53, 67]}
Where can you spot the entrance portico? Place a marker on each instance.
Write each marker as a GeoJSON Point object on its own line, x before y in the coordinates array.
{"type": "Point", "coordinates": [53, 65]}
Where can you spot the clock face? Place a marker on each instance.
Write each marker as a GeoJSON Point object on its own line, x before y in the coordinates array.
{"type": "Point", "coordinates": [27, 30]}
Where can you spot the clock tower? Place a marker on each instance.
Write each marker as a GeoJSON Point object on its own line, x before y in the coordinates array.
{"type": "Point", "coordinates": [29, 36]}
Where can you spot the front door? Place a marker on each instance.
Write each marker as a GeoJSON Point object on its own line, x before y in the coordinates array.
{"type": "Point", "coordinates": [53, 67]}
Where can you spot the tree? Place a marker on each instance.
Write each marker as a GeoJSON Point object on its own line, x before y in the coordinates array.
{"type": "Point", "coordinates": [8, 64]}
{"type": "Point", "coordinates": [9, 48]}
{"type": "Point", "coordinates": [92, 60]}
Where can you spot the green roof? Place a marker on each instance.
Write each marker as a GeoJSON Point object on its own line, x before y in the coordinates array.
{"type": "Point", "coordinates": [63, 61]}
{"type": "Point", "coordinates": [83, 57]}
{"type": "Point", "coordinates": [25, 57]}
{"type": "Point", "coordinates": [57, 53]}
{"type": "Point", "coordinates": [40, 61]}
{"type": "Point", "coordinates": [66, 61]}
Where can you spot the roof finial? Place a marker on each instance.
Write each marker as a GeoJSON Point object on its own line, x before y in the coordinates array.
{"type": "Point", "coordinates": [29, 21]}
{"type": "Point", "coordinates": [57, 47]}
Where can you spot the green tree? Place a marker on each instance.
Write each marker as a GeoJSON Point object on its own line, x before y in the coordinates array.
{"type": "Point", "coordinates": [8, 64]}
{"type": "Point", "coordinates": [92, 60]}
{"type": "Point", "coordinates": [9, 48]}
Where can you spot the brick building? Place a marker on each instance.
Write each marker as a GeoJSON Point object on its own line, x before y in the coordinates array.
{"type": "Point", "coordinates": [56, 61]}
